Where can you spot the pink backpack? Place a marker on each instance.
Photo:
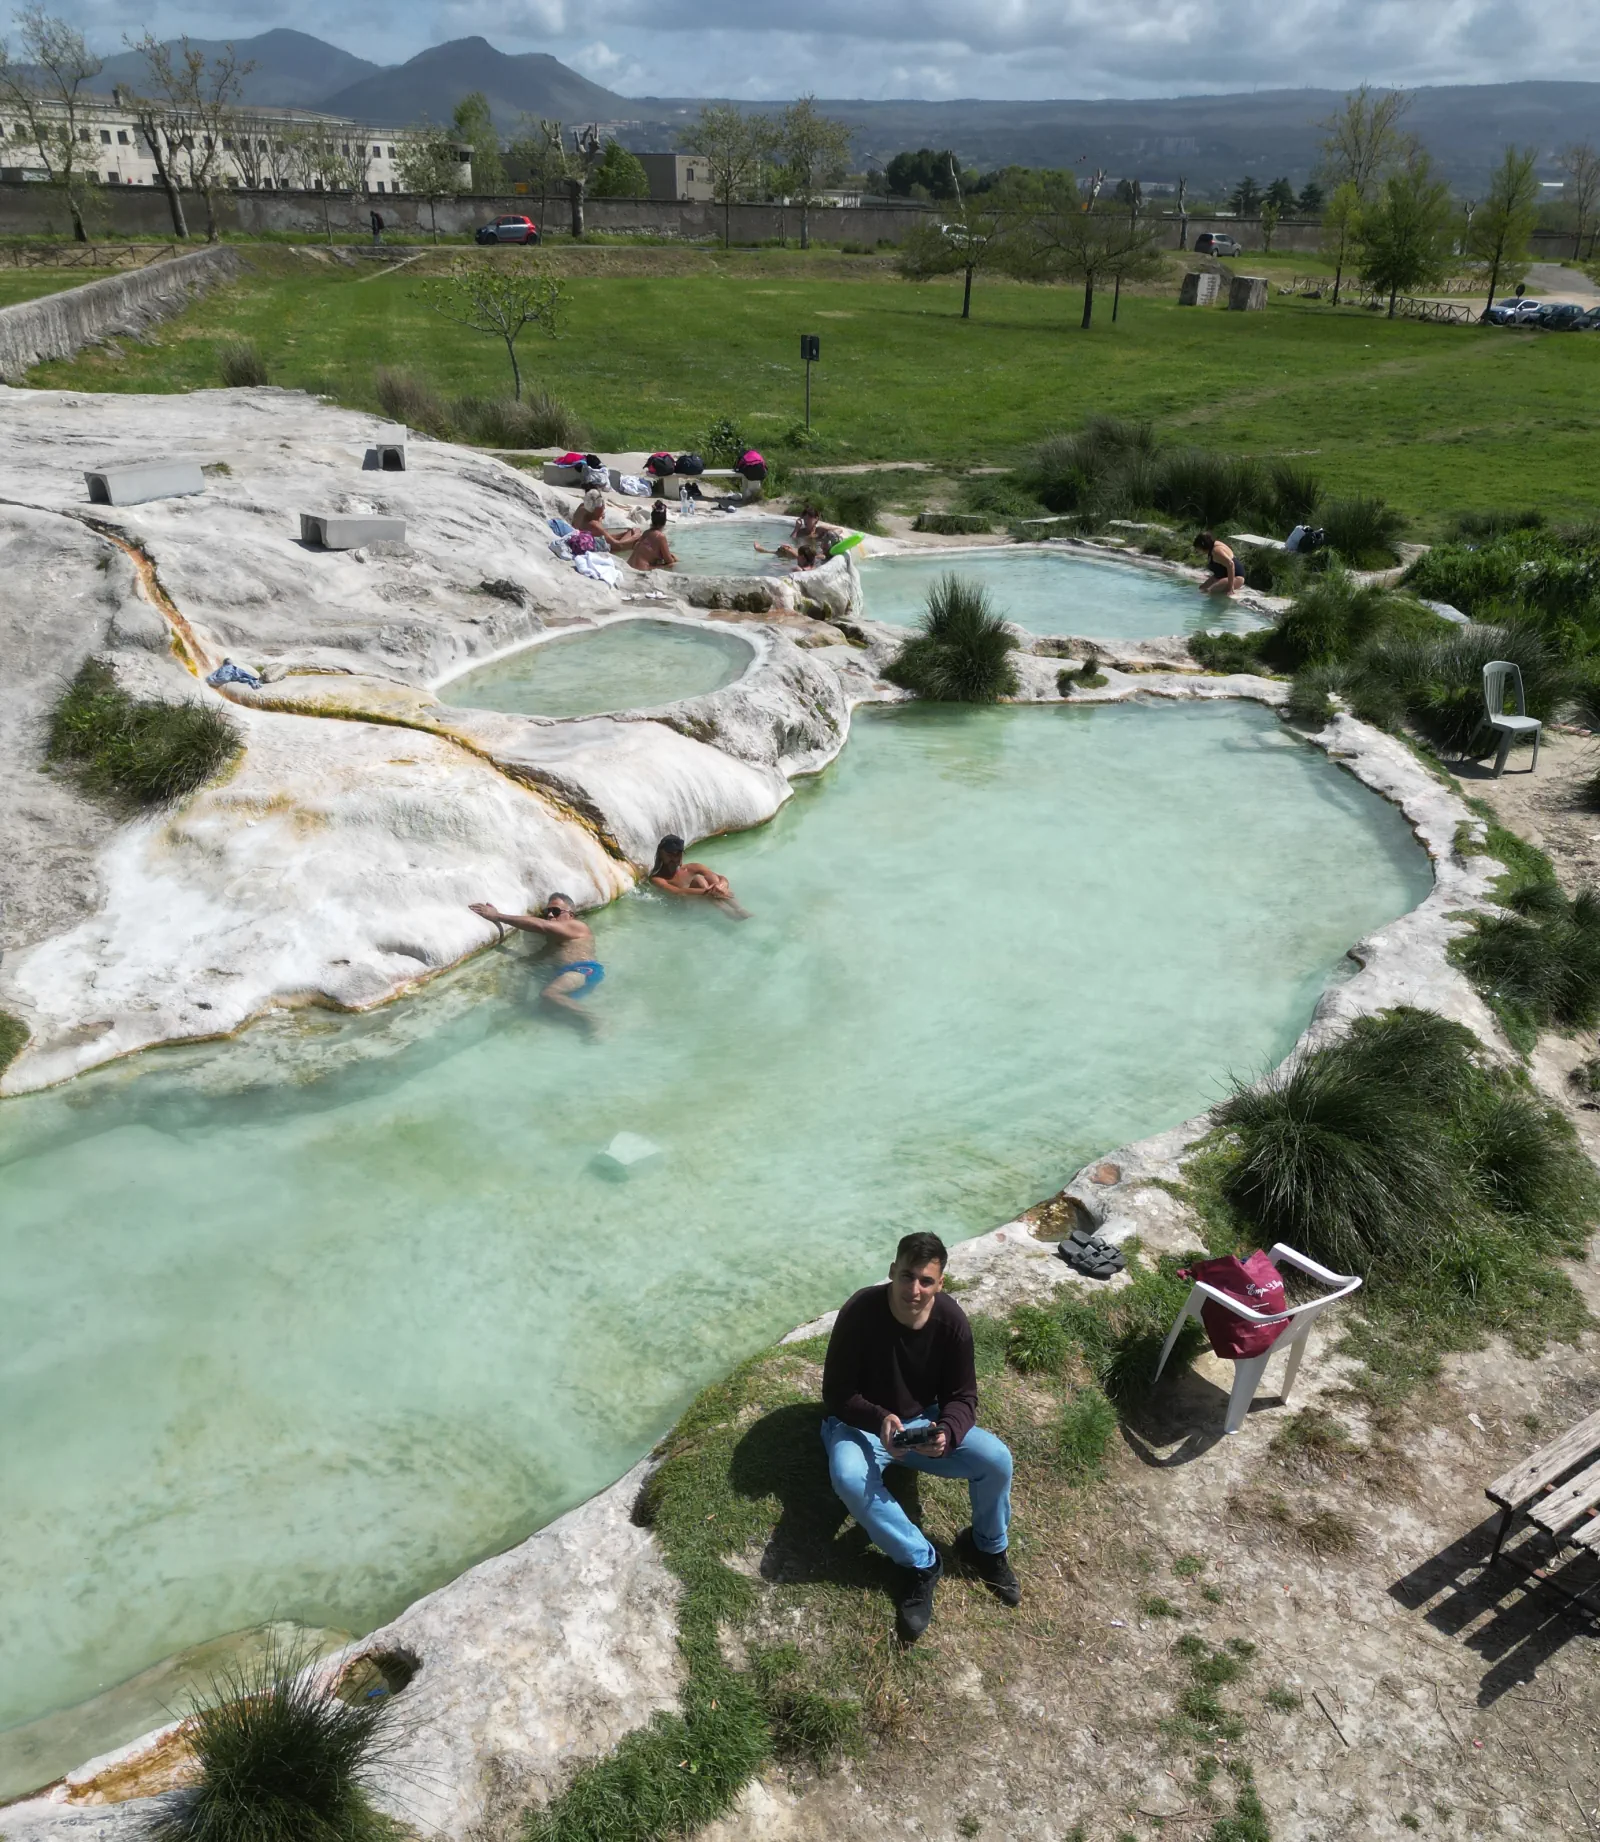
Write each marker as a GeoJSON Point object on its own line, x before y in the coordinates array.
{"type": "Point", "coordinates": [1258, 1285]}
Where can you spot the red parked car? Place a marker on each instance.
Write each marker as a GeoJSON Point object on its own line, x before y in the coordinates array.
{"type": "Point", "coordinates": [509, 230]}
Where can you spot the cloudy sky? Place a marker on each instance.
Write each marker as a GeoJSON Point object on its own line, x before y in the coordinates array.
{"type": "Point", "coordinates": [939, 48]}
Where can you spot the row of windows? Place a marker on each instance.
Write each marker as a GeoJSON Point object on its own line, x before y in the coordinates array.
{"type": "Point", "coordinates": [20, 133]}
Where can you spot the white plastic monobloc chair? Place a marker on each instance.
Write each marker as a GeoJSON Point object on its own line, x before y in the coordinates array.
{"type": "Point", "coordinates": [1248, 1370]}
{"type": "Point", "coordinates": [1496, 675]}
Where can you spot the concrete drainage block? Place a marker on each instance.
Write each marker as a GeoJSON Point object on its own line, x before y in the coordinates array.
{"type": "Point", "coordinates": [349, 530]}
{"type": "Point", "coordinates": [138, 481]}
{"type": "Point", "coordinates": [388, 452]}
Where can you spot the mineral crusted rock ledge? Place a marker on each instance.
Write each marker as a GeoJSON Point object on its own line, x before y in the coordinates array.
{"type": "Point", "coordinates": [540, 1659]}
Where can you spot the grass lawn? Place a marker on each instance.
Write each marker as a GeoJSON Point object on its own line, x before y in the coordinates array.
{"type": "Point", "coordinates": [658, 342]}
{"type": "Point", "coordinates": [28, 284]}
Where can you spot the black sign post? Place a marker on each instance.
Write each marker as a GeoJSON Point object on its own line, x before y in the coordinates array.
{"type": "Point", "coordinates": [811, 352]}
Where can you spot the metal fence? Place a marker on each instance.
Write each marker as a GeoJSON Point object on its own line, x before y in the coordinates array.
{"type": "Point", "coordinates": [84, 255]}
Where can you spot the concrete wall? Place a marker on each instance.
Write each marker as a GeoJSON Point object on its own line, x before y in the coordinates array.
{"type": "Point", "coordinates": [38, 210]}
{"type": "Point", "coordinates": [59, 325]}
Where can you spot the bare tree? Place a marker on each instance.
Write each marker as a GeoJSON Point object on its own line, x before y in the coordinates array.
{"type": "Point", "coordinates": [44, 90]}
{"type": "Point", "coordinates": [539, 148]}
{"type": "Point", "coordinates": [1365, 142]}
{"type": "Point", "coordinates": [587, 153]}
{"type": "Point", "coordinates": [1581, 164]}
{"type": "Point", "coordinates": [429, 168]}
{"type": "Point", "coordinates": [190, 106]}
{"type": "Point", "coordinates": [1498, 232]}
{"type": "Point", "coordinates": [332, 165]}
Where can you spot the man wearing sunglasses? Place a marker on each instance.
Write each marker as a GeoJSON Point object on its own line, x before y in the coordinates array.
{"type": "Point", "coordinates": [576, 973]}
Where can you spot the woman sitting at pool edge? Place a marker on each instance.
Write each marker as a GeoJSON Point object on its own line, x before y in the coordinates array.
{"type": "Point", "coordinates": [589, 520]}
{"type": "Point", "coordinates": [651, 550]}
{"type": "Point", "coordinates": [1220, 560]}
{"type": "Point", "coordinates": [672, 876]}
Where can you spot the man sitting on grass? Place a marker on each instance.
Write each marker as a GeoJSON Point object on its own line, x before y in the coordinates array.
{"type": "Point", "coordinates": [901, 1388]}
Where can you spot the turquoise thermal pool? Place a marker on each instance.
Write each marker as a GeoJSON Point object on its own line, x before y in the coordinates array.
{"type": "Point", "coordinates": [1049, 591]}
{"type": "Point", "coordinates": [301, 1325]}
{"type": "Point", "coordinates": [629, 665]}
{"type": "Point", "coordinates": [715, 544]}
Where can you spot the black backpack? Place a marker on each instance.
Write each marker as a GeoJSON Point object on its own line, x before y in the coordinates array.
{"type": "Point", "coordinates": [660, 465]}
{"type": "Point", "coordinates": [690, 463]}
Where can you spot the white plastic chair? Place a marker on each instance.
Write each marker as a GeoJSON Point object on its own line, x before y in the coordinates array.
{"type": "Point", "coordinates": [1496, 675]}
{"type": "Point", "coordinates": [1248, 1370]}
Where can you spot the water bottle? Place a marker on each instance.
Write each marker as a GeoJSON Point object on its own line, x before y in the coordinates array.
{"type": "Point", "coordinates": [683, 501]}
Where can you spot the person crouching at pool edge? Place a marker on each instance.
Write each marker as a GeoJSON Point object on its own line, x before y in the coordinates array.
{"type": "Point", "coordinates": [1220, 561]}
{"type": "Point", "coordinates": [672, 876]}
{"type": "Point", "coordinates": [901, 1388]}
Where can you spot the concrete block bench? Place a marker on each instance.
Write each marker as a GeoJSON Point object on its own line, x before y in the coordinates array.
{"type": "Point", "coordinates": [137, 481]}
{"type": "Point", "coordinates": [387, 453]}
{"type": "Point", "coordinates": [349, 530]}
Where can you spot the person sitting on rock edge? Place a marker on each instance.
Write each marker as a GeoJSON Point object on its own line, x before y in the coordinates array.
{"type": "Point", "coordinates": [1225, 576]}
{"type": "Point", "coordinates": [672, 876]}
{"type": "Point", "coordinates": [576, 974]}
{"type": "Point", "coordinates": [900, 1360]}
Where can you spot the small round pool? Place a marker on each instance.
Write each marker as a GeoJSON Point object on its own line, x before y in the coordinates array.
{"type": "Point", "coordinates": [1047, 591]}
{"type": "Point", "coordinates": [720, 544]}
{"type": "Point", "coordinates": [628, 665]}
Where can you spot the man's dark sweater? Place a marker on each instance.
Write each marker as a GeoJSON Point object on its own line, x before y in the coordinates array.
{"type": "Point", "coordinates": [876, 1367]}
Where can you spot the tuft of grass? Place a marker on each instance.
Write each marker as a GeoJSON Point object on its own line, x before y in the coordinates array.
{"type": "Point", "coordinates": [1363, 530]}
{"type": "Point", "coordinates": [1314, 1434]}
{"type": "Point", "coordinates": [141, 752]}
{"type": "Point", "coordinates": [1539, 965]}
{"type": "Point", "coordinates": [1156, 1607]}
{"type": "Point", "coordinates": [1211, 1594]}
{"type": "Point", "coordinates": [280, 1757]}
{"type": "Point", "coordinates": [14, 1035]}
{"type": "Point", "coordinates": [241, 364]}
{"type": "Point", "coordinates": [961, 652]}
{"type": "Point", "coordinates": [1087, 677]}
{"type": "Point", "coordinates": [1084, 1432]}
{"type": "Point", "coordinates": [407, 398]}
{"type": "Point", "coordinates": [537, 420]}
{"type": "Point", "coordinates": [1186, 1566]}
{"type": "Point", "coordinates": [1039, 1342]}
{"type": "Point", "coordinates": [1284, 1700]}
{"type": "Point", "coordinates": [1333, 617]}
{"type": "Point", "coordinates": [1227, 652]}
{"type": "Point", "coordinates": [1312, 693]}
{"type": "Point", "coordinates": [952, 524]}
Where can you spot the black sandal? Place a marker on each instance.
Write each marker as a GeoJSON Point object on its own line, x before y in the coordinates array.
{"type": "Point", "coordinates": [1091, 1254]}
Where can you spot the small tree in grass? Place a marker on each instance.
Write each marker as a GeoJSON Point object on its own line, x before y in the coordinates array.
{"type": "Point", "coordinates": [1581, 164]}
{"type": "Point", "coordinates": [475, 126]}
{"type": "Point", "coordinates": [735, 148]}
{"type": "Point", "coordinates": [815, 150]}
{"type": "Point", "coordinates": [1270, 214]}
{"type": "Point", "coordinates": [490, 298]}
{"type": "Point", "coordinates": [45, 89]}
{"type": "Point", "coordinates": [1497, 237]}
{"type": "Point", "coordinates": [1341, 229]}
{"type": "Point", "coordinates": [619, 174]}
{"type": "Point", "coordinates": [972, 239]}
{"type": "Point", "coordinates": [1406, 233]}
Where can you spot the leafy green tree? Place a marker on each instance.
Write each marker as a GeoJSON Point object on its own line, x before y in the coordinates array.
{"type": "Point", "coordinates": [1058, 239]}
{"type": "Point", "coordinates": [937, 173]}
{"type": "Point", "coordinates": [1497, 237]}
{"type": "Point", "coordinates": [1341, 230]}
{"type": "Point", "coordinates": [1270, 214]}
{"type": "Point", "coordinates": [971, 239]}
{"type": "Point", "coordinates": [1311, 199]}
{"type": "Point", "coordinates": [1365, 140]}
{"type": "Point", "coordinates": [538, 153]}
{"type": "Point", "coordinates": [428, 166]}
{"type": "Point", "coordinates": [45, 90]}
{"type": "Point", "coordinates": [735, 148]}
{"type": "Point", "coordinates": [619, 175]}
{"type": "Point", "coordinates": [1406, 233]}
{"type": "Point", "coordinates": [1245, 198]}
{"type": "Point", "coordinates": [1581, 164]}
{"type": "Point", "coordinates": [474, 125]}
{"type": "Point", "coordinates": [495, 298]}
{"type": "Point", "coordinates": [815, 151]}
{"type": "Point", "coordinates": [1281, 194]}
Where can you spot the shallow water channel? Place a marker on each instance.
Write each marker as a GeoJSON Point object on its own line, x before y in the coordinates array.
{"type": "Point", "coordinates": [628, 665]}
{"type": "Point", "coordinates": [299, 1326]}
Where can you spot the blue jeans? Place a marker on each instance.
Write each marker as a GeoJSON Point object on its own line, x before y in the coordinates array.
{"type": "Point", "coordinates": [858, 1460]}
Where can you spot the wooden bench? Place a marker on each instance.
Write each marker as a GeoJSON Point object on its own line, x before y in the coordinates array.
{"type": "Point", "coordinates": [1557, 1489]}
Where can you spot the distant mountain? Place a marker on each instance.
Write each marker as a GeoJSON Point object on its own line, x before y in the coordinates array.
{"type": "Point", "coordinates": [434, 81]}
{"type": "Point", "coordinates": [1206, 139]}
{"type": "Point", "coordinates": [292, 69]}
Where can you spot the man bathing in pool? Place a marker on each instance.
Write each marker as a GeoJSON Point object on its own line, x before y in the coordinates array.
{"type": "Point", "coordinates": [576, 973]}
{"type": "Point", "coordinates": [673, 876]}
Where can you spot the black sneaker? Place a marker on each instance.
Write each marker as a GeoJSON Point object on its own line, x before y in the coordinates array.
{"type": "Point", "coordinates": [993, 1569]}
{"type": "Point", "coordinates": [916, 1602]}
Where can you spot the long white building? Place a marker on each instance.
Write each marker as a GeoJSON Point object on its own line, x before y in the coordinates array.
{"type": "Point", "coordinates": [262, 149]}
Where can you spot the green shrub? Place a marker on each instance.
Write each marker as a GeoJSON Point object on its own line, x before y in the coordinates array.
{"type": "Point", "coordinates": [1541, 962]}
{"type": "Point", "coordinates": [1087, 677]}
{"type": "Point", "coordinates": [279, 1759]}
{"type": "Point", "coordinates": [1084, 1432]}
{"type": "Point", "coordinates": [951, 524]}
{"type": "Point", "coordinates": [405, 397]}
{"type": "Point", "coordinates": [1000, 498]}
{"type": "Point", "coordinates": [962, 652]}
{"type": "Point", "coordinates": [13, 1039]}
{"type": "Point", "coordinates": [1362, 529]}
{"type": "Point", "coordinates": [1226, 652]}
{"type": "Point", "coordinates": [722, 443]}
{"type": "Point", "coordinates": [241, 364]}
{"type": "Point", "coordinates": [1333, 617]}
{"type": "Point", "coordinates": [1311, 695]}
{"type": "Point", "coordinates": [1549, 578]}
{"type": "Point", "coordinates": [1294, 491]}
{"type": "Point", "coordinates": [1440, 681]}
{"type": "Point", "coordinates": [853, 500]}
{"type": "Point", "coordinates": [537, 420]}
{"type": "Point", "coordinates": [1039, 1341]}
{"type": "Point", "coordinates": [1211, 489]}
{"type": "Point", "coordinates": [1475, 526]}
{"type": "Point", "coordinates": [144, 753]}
{"type": "Point", "coordinates": [1392, 1152]}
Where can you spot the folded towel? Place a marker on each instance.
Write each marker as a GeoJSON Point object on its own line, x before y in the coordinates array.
{"type": "Point", "coordinates": [601, 566]}
{"type": "Point", "coordinates": [560, 527]}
